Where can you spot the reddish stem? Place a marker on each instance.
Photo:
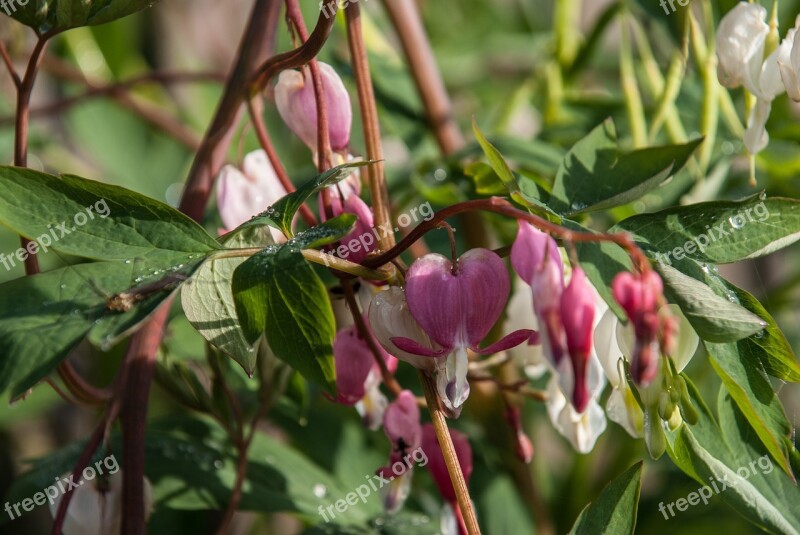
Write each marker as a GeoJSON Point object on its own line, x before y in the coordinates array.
{"type": "Point", "coordinates": [501, 206]}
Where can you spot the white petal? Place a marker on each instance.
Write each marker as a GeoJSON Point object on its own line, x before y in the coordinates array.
{"type": "Point", "coordinates": [451, 378]}
{"type": "Point", "coordinates": [756, 137]}
{"type": "Point", "coordinates": [374, 403]}
{"type": "Point", "coordinates": [740, 45]}
{"type": "Point", "coordinates": [581, 430]}
{"type": "Point", "coordinates": [623, 409]}
{"type": "Point", "coordinates": [606, 346]}
{"type": "Point", "coordinates": [687, 339]}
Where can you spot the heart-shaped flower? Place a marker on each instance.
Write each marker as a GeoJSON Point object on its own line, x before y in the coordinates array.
{"type": "Point", "coordinates": [456, 304]}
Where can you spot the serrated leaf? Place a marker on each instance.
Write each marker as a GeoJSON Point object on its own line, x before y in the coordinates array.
{"type": "Point", "coordinates": [597, 175]}
{"type": "Point", "coordinates": [718, 232]}
{"type": "Point", "coordinates": [614, 512]}
{"type": "Point", "coordinates": [710, 453]}
{"type": "Point", "coordinates": [94, 220]}
{"type": "Point", "coordinates": [753, 393]}
{"type": "Point", "coordinates": [46, 16]}
{"type": "Point", "coordinates": [715, 318]}
{"type": "Point", "coordinates": [44, 316]}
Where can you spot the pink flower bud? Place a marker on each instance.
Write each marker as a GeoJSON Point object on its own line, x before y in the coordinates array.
{"type": "Point", "coordinates": [296, 102]}
{"type": "Point", "coordinates": [354, 361]}
{"type": "Point", "coordinates": [523, 445]}
{"type": "Point", "coordinates": [639, 296]}
{"type": "Point", "coordinates": [240, 196]}
{"type": "Point", "coordinates": [438, 467]}
{"type": "Point", "coordinates": [577, 315]}
{"type": "Point", "coordinates": [362, 240]}
{"type": "Point", "coordinates": [402, 427]}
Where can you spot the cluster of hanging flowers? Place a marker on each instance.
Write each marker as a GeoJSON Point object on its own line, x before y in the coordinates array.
{"type": "Point", "coordinates": [750, 55]}
{"type": "Point", "coordinates": [447, 314]}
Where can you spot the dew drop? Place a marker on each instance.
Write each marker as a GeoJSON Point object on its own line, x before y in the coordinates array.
{"type": "Point", "coordinates": [127, 261]}
{"type": "Point", "coordinates": [218, 464]}
{"type": "Point", "coordinates": [320, 490]}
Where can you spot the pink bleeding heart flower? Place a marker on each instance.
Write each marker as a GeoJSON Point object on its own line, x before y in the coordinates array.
{"type": "Point", "coordinates": [296, 102]}
{"type": "Point", "coordinates": [402, 428]}
{"type": "Point", "coordinates": [358, 376]}
{"type": "Point", "coordinates": [361, 241]}
{"type": "Point", "coordinates": [438, 468]}
{"type": "Point", "coordinates": [535, 258]}
{"type": "Point", "coordinates": [241, 195]}
{"type": "Point", "coordinates": [456, 305]}
{"type": "Point", "coordinates": [639, 296]}
{"type": "Point", "coordinates": [577, 316]}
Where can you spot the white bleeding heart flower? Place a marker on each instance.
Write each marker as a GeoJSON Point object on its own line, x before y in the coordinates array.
{"type": "Point", "coordinates": [789, 65]}
{"type": "Point", "coordinates": [581, 429]}
{"type": "Point", "coordinates": [243, 194]}
{"type": "Point", "coordinates": [741, 37]}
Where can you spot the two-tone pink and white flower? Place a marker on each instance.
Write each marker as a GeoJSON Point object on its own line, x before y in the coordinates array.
{"type": "Point", "coordinates": [454, 305]}
{"type": "Point", "coordinates": [402, 427]}
{"type": "Point", "coordinates": [295, 99]}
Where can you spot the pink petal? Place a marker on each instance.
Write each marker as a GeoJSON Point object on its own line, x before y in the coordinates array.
{"type": "Point", "coordinates": [401, 423]}
{"type": "Point", "coordinates": [353, 361]}
{"type": "Point", "coordinates": [412, 346]}
{"type": "Point", "coordinates": [434, 299]}
{"type": "Point", "coordinates": [484, 286]}
{"type": "Point", "coordinates": [531, 249]}
{"type": "Point", "coordinates": [508, 341]}
{"type": "Point", "coordinates": [296, 102]}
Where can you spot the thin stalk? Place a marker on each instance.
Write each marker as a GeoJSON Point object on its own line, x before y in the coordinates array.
{"type": "Point", "coordinates": [449, 453]}
{"type": "Point", "coordinates": [365, 334]}
{"type": "Point", "coordinates": [254, 107]}
{"type": "Point", "coordinates": [630, 88]}
{"type": "Point", "coordinates": [379, 193]}
{"type": "Point", "coordinates": [501, 206]}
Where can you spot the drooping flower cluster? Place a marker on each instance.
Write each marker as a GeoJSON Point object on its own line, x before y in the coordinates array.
{"type": "Point", "coordinates": [743, 39]}
{"type": "Point", "coordinates": [581, 338]}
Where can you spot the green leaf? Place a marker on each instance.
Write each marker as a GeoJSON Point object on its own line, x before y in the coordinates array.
{"type": "Point", "coordinates": [192, 466]}
{"type": "Point", "coordinates": [614, 511]}
{"type": "Point", "coordinates": [597, 175]}
{"type": "Point", "coordinates": [718, 232]}
{"type": "Point", "coordinates": [711, 454]}
{"type": "Point", "coordinates": [44, 316]}
{"type": "Point", "coordinates": [208, 300]}
{"type": "Point", "coordinates": [768, 349]}
{"type": "Point", "coordinates": [280, 214]}
{"type": "Point", "coordinates": [46, 16]}
{"type": "Point", "coordinates": [99, 221]}
{"type": "Point", "coordinates": [503, 171]}
{"type": "Point", "coordinates": [716, 319]}
{"type": "Point", "coordinates": [753, 393]}
{"type": "Point", "coordinates": [276, 291]}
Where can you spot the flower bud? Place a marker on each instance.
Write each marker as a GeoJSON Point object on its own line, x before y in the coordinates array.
{"type": "Point", "coordinates": [297, 105]}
